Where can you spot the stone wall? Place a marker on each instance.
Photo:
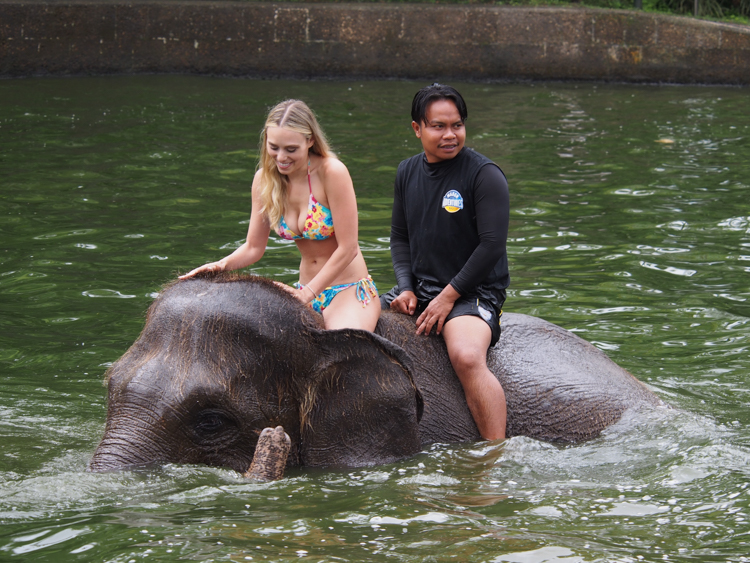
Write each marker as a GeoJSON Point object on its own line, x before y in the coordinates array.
{"type": "Point", "coordinates": [427, 41]}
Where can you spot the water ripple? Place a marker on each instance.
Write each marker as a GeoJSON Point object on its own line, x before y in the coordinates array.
{"type": "Point", "coordinates": [107, 293]}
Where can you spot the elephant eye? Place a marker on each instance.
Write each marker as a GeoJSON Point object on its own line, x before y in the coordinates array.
{"type": "Point", "coordinates": [211, 422]}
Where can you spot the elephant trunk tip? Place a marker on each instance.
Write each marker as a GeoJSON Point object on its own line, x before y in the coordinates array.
{"type": "Point", "coordinates": [98, 464]}
{"type": "Point", "coordinates": [115, 455]}
{"type": "Point", "coordinates": [270, 456]}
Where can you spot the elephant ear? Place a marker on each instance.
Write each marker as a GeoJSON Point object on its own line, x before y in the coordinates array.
{"type": "Point", "coordinates": [362, 405]}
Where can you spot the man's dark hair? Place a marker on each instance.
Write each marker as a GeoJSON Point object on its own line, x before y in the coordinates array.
{"type": "Point", "coordinates": [433, 93]}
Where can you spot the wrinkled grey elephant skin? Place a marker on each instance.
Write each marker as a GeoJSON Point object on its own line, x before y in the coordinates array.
{"type": "Point", "coordinates": [221, 358]}
{"type": "Point", "coordinates": [558, 387]}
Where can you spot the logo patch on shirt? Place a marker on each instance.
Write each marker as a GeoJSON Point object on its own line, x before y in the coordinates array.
{"type": "Point", "coordinates": [453, 201]}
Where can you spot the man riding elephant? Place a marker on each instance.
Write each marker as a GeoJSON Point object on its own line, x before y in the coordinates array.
{"type": "Point", "coordinates": [448, 238]}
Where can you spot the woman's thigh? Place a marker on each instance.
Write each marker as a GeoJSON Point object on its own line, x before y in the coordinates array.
{"type": "Point", "coordinates": [346, 311]}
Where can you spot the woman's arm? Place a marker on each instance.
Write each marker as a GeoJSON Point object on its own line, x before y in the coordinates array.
{"type": "Point", "coordinates": [251, 250]}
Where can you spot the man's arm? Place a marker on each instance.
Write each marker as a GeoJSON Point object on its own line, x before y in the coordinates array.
{"type": "Point", "coordinates": [492, 206]}
{"type": "Point", "coordinates": [406, 302]}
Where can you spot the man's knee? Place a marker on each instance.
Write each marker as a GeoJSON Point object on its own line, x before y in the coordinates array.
{"type": "Point", "coordinates": [467, 357]}
{"type": "Point", "coordinates": [467, 360]}
{"type": "Point", "coordinates": [467, 339]}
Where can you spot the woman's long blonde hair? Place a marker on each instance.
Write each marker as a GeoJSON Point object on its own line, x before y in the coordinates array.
{"type": "Point", "coordinates": [293, 115]}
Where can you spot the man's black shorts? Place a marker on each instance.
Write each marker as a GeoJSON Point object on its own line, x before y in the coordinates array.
{"type": "Point", "coordinates": [465, 305]}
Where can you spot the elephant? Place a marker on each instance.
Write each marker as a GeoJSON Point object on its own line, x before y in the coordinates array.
{"type": "Point", "coordinates": [224, 356]}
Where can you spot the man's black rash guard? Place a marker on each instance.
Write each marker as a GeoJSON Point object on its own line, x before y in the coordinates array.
{"type": "Point", "coordinates": [450, 226]}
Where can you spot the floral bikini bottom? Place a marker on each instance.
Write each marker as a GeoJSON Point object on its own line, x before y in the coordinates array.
{"type": "Point", "coordinates": [366, 291]}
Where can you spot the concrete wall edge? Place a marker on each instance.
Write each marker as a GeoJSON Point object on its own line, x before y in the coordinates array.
{"type": "Point", "coordinates": [364, 40]}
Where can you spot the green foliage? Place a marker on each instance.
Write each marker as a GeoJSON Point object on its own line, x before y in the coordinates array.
{"type": "Point", "coordinates": [737, 11]}
{"type": "Point", "coordinates": [710, 8]}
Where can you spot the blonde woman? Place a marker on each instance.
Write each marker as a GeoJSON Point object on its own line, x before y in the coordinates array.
{"type": "Point", "coordinates": [305, 194]}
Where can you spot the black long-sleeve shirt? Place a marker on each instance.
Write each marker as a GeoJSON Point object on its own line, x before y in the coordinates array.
{"type": "Point", "coordinates": [450, 225]}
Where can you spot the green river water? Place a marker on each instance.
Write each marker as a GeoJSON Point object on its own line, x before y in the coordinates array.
{"type": "Point", "coordinates": [630, 225]}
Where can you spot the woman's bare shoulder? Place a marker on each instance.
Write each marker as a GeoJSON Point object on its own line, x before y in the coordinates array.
{"type": "Point", "coordinates": [332, 170]}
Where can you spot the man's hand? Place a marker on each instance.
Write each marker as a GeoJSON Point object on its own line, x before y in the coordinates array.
{"type": "Point", "coordinates": [436, 312]}
{"type": "Point", "coordinates": [405, 303]}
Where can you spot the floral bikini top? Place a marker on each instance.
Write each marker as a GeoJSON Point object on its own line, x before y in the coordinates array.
{"type": "Point", "coordinates": [318, 224]}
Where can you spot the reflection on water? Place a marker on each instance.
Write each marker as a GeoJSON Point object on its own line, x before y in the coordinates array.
{"type": "Point", "coordinates": [630, 226]}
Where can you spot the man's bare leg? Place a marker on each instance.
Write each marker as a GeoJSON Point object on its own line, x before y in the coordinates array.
{"type": "Point", "coordinates": [468, 338]}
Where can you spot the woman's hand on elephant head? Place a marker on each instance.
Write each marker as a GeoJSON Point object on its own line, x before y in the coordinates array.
{"type": "Point", "coordinates": [218, 266]}
{"type": "Point", "coordinates": [304, 295]}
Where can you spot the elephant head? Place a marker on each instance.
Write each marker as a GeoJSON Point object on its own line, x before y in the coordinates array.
{"type": "Point", "coordinates": [218, 361]}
